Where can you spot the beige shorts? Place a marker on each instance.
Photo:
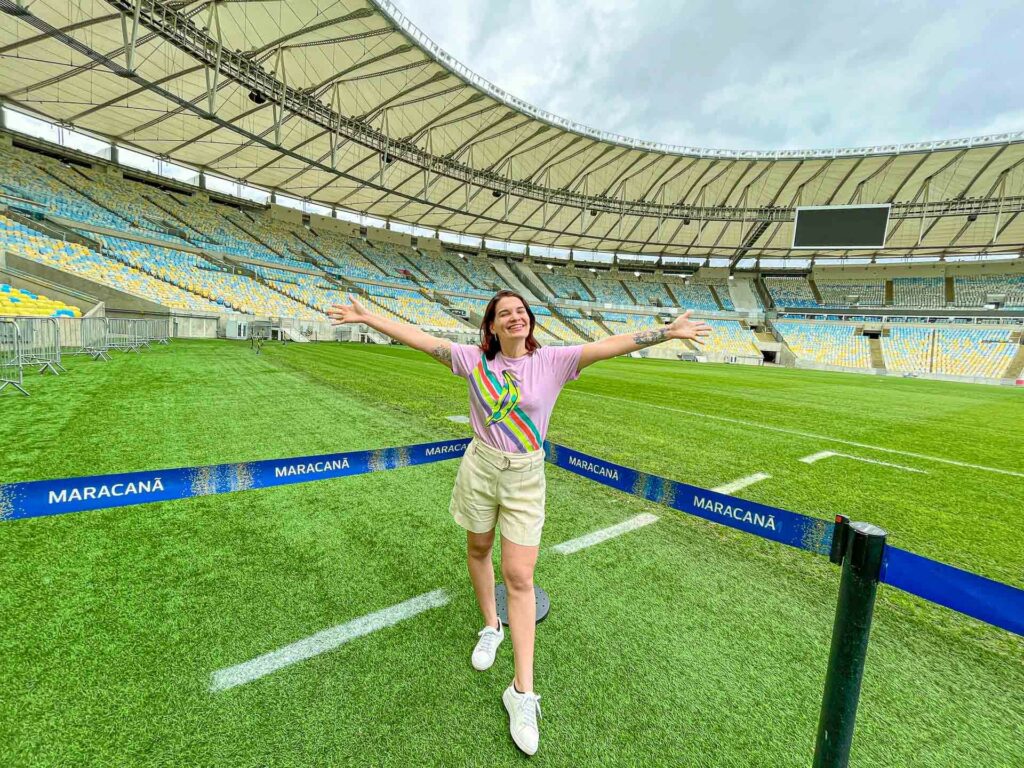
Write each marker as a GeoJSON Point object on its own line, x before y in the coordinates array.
{"type": "Point", "coordinates": [504, 489]}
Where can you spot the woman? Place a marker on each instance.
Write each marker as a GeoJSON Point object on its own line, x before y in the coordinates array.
{"type": "Point", "coordinates": [513, 386]}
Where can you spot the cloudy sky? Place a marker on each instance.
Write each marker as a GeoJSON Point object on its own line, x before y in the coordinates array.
{"type": "Point", "coordinates": [774, 74]}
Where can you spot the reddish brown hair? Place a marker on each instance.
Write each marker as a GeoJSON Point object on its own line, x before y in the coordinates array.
{"type": "Point", "coordinates": [489, 342]}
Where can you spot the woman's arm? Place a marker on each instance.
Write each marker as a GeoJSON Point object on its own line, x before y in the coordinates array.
{"type": "Point", "coordinates": [613, 346]}
{"type": "Point", "coordinates": [411, 336]}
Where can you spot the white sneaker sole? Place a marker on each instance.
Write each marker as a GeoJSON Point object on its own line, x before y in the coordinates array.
{"type": "Point", "coordinates": [522, 748]}
{"type": "Point", "coordinates": [484, 668]}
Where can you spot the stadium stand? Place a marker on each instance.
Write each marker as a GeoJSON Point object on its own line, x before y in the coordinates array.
{"type": "Point", "coordinates": [564, 286]}
{"type": "Point", "coordinates": [694, 296]}
{"type": "Point", "coordinates": [649, 294]}
{"type": "Point", "coordinates": [974, 291]}
{"type": "Point", "coordinates": [973, 351]}
{"type": "Point", "coordinates": [826, 343]}
{"type": "Point", "coordinates": [37, 178]}
{"type": "Point", "coordinates": [442, 275]}
{"type": "Point", "coordinates": [412, 306]}
{"type": "Point", "coordinates": [271, 250]}
{"type": "Point", "coordinates": [479, 272]}
{"type": "Point", "coordinates": [790, 292]}
{"type": "Point", "coordinates": [80, 260]}
{"type": "Point", "coordinates": [389, 259]}
{"type": "Point", "coordinates": [608, 291]}
{"type": "Point", "coordinates": [19, 301]}
{"type": "Point", "coordinates": [721, 288]}
{"type": "Point", "coordinates": [926, 292]}
{"type": "Point", "coordinates": [864, 293]}
{"type": "Point", "coordinates": [277, 235]}
{"type": "Point", "coordinates": [907, 349]}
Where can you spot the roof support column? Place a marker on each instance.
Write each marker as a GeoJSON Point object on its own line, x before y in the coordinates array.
{"type": "Point", "coordinates": [281, 73]}
{"type": "Point", "coordinates": [213, 73]}
{"type": "Point", "coordinates": [336, 133]}
{"type": "Point", "coordinates": [924, 211]}
{"type": "Point", "coordinates": [130, 38]}
{"type": "Point", "coordinates": [999, 207]}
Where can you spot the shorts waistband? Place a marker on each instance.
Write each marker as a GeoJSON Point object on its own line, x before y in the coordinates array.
{"type": "Point", "coordinates": [504, 460]}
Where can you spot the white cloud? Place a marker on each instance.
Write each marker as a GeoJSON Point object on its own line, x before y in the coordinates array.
{"type": "Point", "coordinates": [750, 75]}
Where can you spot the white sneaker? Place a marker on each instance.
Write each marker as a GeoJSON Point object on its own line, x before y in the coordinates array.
{"type": "Point", "coordinates": [487, 646]}
{"type": "Point", "coordinates": [523, 711]}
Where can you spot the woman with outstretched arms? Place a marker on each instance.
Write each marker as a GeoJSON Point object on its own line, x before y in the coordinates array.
{"type": "Point", "coordinates": [513, 385]}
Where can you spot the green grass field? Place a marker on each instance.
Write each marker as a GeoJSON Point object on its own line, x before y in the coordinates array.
{"type": "Point", "coordinates": [682, 643]}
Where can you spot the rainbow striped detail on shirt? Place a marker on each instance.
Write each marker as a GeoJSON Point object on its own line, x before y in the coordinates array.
{"type": "Point", "coordinates": [502, 400]}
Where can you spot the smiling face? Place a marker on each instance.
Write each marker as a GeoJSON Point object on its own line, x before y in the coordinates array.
{"type": "Point", "coordinates": [511, 320]}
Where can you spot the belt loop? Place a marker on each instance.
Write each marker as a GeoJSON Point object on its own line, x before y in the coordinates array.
{"type": "Point", "coordinates": [508, 463]}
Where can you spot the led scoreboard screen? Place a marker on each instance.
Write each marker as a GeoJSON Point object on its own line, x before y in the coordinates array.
{"type": "Point", "coordinates": [839, 227]}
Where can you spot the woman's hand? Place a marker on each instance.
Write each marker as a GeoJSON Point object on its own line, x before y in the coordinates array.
{"type": "Point", "coordinates": [348, 313]}
{"type": "Point", "coordinates": [685, 328]}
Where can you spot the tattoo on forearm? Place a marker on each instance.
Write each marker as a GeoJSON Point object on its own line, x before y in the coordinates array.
{"type": "Point", "coordinates": [647, 338]}
{"type": "Point", "coordinates": [442, 353]}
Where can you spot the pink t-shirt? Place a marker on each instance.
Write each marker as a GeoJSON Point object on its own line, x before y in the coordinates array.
{"type": "Point", "coordinates": [510, 399]}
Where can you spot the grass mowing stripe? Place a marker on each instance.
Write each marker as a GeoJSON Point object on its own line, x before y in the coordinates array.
{"type": "Point", "coordinates": [799, 433]}
{"type": "Point", "coordinates": [324, 641]}
{"type": "Point", "coordinates": [743, 482]}
{"type": "Point", "coordinates": [590, 539]}
{"type": "Point", "coordinates": [830, 454]}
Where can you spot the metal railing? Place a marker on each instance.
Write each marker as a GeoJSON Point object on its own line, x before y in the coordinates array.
{"type": "Point", "coordinates": [95, 339]}
{"type": "Point", "coordinates": [11, 371]}
{"type": "Point", "coordinates": [40, 343]}
{"type": "Point", "coordinates": [126, 334]}
{"type": "Point", "coordinates": [84, 336]}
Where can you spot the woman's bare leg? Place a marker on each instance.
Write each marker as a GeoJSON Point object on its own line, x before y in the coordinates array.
{"type": "Point", "coordinates": [517, 564]}
{"type": "Point", "coordinates": [481, 573]}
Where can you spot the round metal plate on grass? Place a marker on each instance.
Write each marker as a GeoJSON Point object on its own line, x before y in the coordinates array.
{"type": "Point", "coordinates": [543, 603]}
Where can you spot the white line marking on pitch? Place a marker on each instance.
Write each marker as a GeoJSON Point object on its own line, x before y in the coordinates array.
{"type": "Point", "coordinates": [743, 482]}
{"type": "Point", "coordinates": [326, 640]}
{"type": "Point", "coordinates": [575, 545]}
{"type": "Point", "coordinates": [458, 418]}
{"type": "Point", "coordinates": [829, 454]}
{"type": "Point", "coordinates": [798, 433]}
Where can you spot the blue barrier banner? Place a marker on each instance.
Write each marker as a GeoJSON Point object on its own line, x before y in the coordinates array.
{"type": "Point", "coordinates": [779, 525]}
{"type": "Point", "coordinates": [40, 498]}
{"type": "Point", "coordinates": [990, 601]}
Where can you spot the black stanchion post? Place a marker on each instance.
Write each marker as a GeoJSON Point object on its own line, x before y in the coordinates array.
{"type": "Point", "coordinates": [862, 549]}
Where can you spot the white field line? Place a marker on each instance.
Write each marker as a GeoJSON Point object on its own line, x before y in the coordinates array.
{"type": "Point", "coordinates": [458, 418]}
{"type": "Point", "coordinates": [575, 545]}
{"type": "Point", "coordinates": [326, 640]}
{"type": "Point", "coordinates": [798, 433]}
{"type": "Point", "coordinates": [743, 482]}
{"type": "Point", "coordinates": [829, 454]}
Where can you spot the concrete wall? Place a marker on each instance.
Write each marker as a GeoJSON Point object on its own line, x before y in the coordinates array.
{"type": "Point", "coordinates": [388, 236]}
{"type": "Point", "coordinates": [285, 214]}
{"type": "Point", "coordinates": [328, 224]}
{"type": "Point", "coordinates": [431, 244]}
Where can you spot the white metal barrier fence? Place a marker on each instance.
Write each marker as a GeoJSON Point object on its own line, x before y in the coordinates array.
{"type": "Point", "coordinates": [40, 343]}
{"type": "Point", "coordinates": [95, 339]}
{"type": "Point", "coordinates": [126, 334]}
{"type": "Point", "coordinates": [10, 356]}
{"type": "Point", "coordinates": [84, 336]}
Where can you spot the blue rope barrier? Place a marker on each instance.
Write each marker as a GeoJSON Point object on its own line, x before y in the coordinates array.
{"type": "Point", "coordinates": [40, 498]}
{"type": "Point", "coordinates": [984, 599]}
{"type": "Point", "coordinates": [990, 601]}
{"type": "Point", "coordinates": [779, 525]}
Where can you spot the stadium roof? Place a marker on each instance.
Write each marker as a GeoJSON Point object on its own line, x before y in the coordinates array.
{"type": "Point", "coordinates": [350, 105]}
